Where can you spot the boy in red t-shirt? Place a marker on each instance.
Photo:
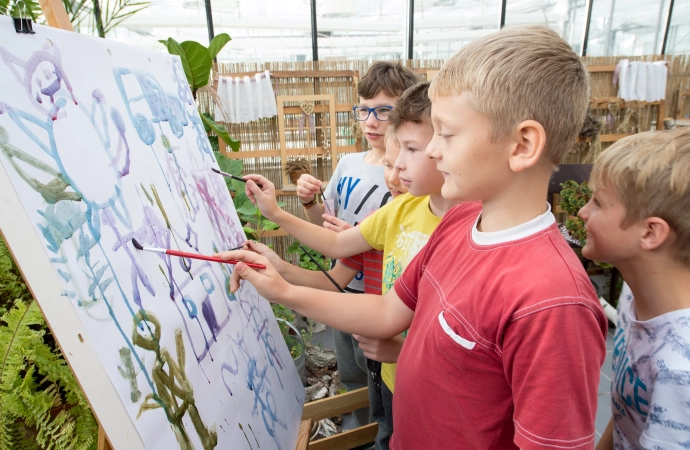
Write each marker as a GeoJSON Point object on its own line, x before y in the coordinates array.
{"type": "Point", "coordinates": [506, 333]}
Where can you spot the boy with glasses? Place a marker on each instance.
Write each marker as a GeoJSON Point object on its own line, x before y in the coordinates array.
{"type": "Point", "coordinates": [358, 188]}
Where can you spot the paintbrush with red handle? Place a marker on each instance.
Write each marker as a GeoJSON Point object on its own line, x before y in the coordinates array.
{"type": "Point", "coordinates": [171, 252]}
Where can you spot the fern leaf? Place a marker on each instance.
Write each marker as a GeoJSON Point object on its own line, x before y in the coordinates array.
{"type": "Point", "coordinates": [34, 381]}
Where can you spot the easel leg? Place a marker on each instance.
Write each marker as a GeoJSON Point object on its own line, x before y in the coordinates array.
{"type": "Point", "coordinates": [103, 443]}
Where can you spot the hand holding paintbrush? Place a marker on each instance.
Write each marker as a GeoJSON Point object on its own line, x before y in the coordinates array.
{"type": "Point", "coordinates": [262, 193]}
{"type": "Point", "coordinates": [267, 282]}
{"type": "Point", "coordinates": [229, 175]}
{"type": "Point", "coordinates": [181, 254]}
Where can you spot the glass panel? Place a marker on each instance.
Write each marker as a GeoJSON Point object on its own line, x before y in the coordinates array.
{"type": "Point", "coordinates": [442, 27]}
{"type": "Point", "coordinates": [678, 40]}
{"type": "Point", "coordinates": [173, 18]}
{"type": "Point", "coordinates": [627, 28]}
{"type": "Point", "coordinates": [360, 29]}
{"type": "Point", "coordinates": [261, 30]}
{"type": "Point", "coordinates": [566, 17]}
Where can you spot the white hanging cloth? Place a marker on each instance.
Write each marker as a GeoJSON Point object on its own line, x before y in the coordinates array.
{"type": "Point", "coordinates": [661, 68]}
{"type": "Point", "coordinates": [245, 99]}
{"type": "Point", "coordinates": [642, 81]}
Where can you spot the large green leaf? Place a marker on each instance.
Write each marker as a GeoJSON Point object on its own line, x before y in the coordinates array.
{"type": "Point", "coordinates": [231, 166]}
{"type": "Point", "coordinates": [247, 209]}
{"type": "Point", "coordinates": [174, 48]}
{"type": "Point", "coordinates": [164, 42]}
{"type": "Point", "coordinates": [218, 43]}
{"type": "Point", "coordinates": [221, 131]}
{"type": "Point", "coordinates": [269, 225]}
{"type": "Point", "coordinates": [200, 63]}
{"type": "Point", "coordinates": [238, 186]}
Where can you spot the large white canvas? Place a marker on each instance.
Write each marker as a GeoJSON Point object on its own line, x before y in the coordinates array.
{"type": "Point", "coordinates": [102, 143]}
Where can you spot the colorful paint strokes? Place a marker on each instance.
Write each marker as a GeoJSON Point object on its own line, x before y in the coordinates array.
{"type": "Point", "coordinates": [103, 144]}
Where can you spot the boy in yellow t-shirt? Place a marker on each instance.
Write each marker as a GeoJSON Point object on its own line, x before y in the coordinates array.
{"type": "Point", "coordinates": [400, 228]}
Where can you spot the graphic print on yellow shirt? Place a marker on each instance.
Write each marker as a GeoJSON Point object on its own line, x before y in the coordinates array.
{"type": "Point", "coordinates": [400, 229]}
{"type": "Point", "coordinates": [408, 243]}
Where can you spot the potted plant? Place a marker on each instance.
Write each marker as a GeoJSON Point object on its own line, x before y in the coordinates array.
{"type": "Point", "coordinates": [295, 167]}
{"type": "Point", "coordinates": [293, 338]}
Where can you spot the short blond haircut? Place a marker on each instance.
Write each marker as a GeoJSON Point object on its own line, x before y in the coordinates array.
{"type": "Point", "coordinates": [518, 74]}
{"type": "Point", "coordinates": [391, 133]}
{"type": "Point", "coordinates": [650, 172]}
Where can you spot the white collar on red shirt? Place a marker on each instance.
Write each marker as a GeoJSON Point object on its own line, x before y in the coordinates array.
{"type": "Point", "coordinates": [521, 231]}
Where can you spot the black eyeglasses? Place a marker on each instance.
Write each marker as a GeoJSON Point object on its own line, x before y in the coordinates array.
{"type": "Point", "coordinates": [362, 113]}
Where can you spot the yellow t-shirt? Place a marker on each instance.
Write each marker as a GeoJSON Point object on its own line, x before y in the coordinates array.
{"type": "Point", "coordinates": [401, 228]}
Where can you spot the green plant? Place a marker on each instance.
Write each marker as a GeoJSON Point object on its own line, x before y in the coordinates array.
{"type": "Point", "coordinates": [308, 331]}
{"type": "Point", "coordinates": [41, 404]}
{"type": "Point", "coordinates": [253, 222]}
{"type": "Point", "coordinates": [293, 343]}
{"type": "Point", "coordinates": [12, 286]}
{"type": "Point", "coordinates": [197, 63]}
{"type": "Point", "coordinates": [282, 312]}
{"type": "Point", "coordinates": [573, 197]}
{"type": "Point", "coordinates": [304, 261]}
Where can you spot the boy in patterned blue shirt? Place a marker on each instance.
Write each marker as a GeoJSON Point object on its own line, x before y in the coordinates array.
{"type": "Point", "coordinates": [639, 220]}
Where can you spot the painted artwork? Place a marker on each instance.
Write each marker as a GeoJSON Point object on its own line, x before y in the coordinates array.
{"type": "Point", "coordinates": [103, 144]}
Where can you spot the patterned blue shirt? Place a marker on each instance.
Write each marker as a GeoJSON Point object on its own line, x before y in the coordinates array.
{"type": "Point", "coordinates": [650, 391]}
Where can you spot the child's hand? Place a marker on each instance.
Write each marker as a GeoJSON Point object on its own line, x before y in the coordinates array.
{"type": "Point", "coordinates": [267, 282]}
{"type": "Point", "coordinates": [335, 224]}
{"type": "Point", "coordinates": [382, 350]}
{"type": "Point", "coordinates": [264, 250]}
{"type": "Point", "coordinates": [308, 187]}
{"type": "Point", "coordinates": [264, 197]}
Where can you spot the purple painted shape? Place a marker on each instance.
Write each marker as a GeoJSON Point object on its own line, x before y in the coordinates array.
{"type": "Point", "coordinates": [97, 94]}
{"type": "Point", "coordinates": [49, 54]}
{"type": "Point", "coordinates": [121, 142]}
{"type": "Point", "coordinates": [210, 317]}
{"type": "Point", "coordinates": [138, 274]}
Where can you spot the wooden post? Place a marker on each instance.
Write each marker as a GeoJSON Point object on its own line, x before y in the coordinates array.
{"type": "Point", "coordinates": [103, 443]}
{"type": "Point", "coordinates": [303, 434]}
{"type": "Point", "coordinates": [56, 15]}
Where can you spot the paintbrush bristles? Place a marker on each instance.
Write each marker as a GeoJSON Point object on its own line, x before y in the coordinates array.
{"type": "Point", "coordinates": [137, 245]}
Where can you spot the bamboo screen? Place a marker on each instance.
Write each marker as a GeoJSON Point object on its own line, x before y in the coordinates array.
{"type": "Point", "coordinates": [621, 118]}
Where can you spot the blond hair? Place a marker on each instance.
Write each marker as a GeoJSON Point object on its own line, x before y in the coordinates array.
{"type": "Point", "coordinates": [391, 133]}
{"type": "Point", "coordinates": [650, 172]}
{"type": "Point", "coordinates": [518, 74]}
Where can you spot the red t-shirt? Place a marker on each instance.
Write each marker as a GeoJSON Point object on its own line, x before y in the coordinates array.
{"type": "Point", "coordinates": [370, 263]}
{"type": "Point", "coordinates": [506, 343]}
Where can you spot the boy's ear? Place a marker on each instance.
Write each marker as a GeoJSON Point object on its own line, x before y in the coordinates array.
{"type": "Point", "coordinates": [656, 232]}
{"type": "Point", "coordinates": [527, 146]}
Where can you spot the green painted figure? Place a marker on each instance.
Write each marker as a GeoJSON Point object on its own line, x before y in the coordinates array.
{"type": "Point", "coordinates": [171, 382]}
